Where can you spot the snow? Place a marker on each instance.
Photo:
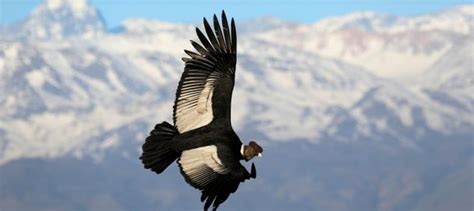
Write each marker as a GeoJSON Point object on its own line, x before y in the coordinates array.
{"type": "Point", "coordinates": [11, 51]}
{"type": "Point", "coordinates": [56, 19]}
{"type": "Point", "coordinates": [54, 4]}
{"type": "Point", "coordinates": [114, 80]}
{"type": "Point", "coordinates": [456, 20]}
{"type": "Point", "coordinates": [36, 78]}
{"type": "Point", "coordinates": [386, 45]}
{"type": "Point", "coordinates": [8, 58]}
{"type": "Point", "coordinates": [405, 116]}
{"type": "Point", "coordinates": [434, 121]}
{"type": "Point", "coordinates": [78, 6]}
{"type": "Point", "coordinates": [342, 79]}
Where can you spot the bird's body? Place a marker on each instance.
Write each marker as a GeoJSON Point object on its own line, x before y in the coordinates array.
{"type": "Point", "coordinates": [202, 140]}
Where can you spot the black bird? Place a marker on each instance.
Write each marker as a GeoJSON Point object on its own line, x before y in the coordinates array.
{"type": "Point", "coordinates": [202, 140]}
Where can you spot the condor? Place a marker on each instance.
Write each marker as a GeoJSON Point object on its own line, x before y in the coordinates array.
{"type": "Point", "coordinates": [202, 140]}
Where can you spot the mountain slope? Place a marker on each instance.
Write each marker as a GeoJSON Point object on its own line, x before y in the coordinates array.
{"type": "Point", "coordinates": [55, 19]}
{"type": "Point", "coordinates": [73, 94]}
{"type": "Point", "coordinates": [453, 72]}
{"type": "Point", "coordinates": [388, 46]}
{"type": "Point", "coordinates": [360, 112]}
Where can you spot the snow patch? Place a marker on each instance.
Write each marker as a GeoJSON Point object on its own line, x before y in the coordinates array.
{"type": "Point", "coordinates": [36, 78]}
{"type": "Point", "coordinates": [434, 121]}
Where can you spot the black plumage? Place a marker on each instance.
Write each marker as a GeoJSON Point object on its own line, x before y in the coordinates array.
{"type": "Point", "coordinates": [202, 140]}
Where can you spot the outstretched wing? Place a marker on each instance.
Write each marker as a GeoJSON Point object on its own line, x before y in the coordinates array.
{"type": "Point", "coordinates": [215, 171]}
{"type": "Point", "coordinates": [205, 90]}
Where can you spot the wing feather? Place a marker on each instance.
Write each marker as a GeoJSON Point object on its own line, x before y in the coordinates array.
{"type": "Point", "coordinates": [226, 32]}
{"type": "Point", "coordinates": [219, 35]}
{"type": "Point", "coordinates": [199, 48]}
{"type": "Point", "coordinates": [209, 69]}
{"type": "Point", "coordinates": [204, 40]}
{"type": "Point", "coordinates": [211, 36]}
{"type": "Point", "coordinates": [215, 171]}
{"type": "Point", "coordinates": [234, 36]}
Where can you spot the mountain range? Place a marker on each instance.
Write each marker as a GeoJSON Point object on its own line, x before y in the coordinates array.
{"type": "Point", "coordinates": [375, 111]}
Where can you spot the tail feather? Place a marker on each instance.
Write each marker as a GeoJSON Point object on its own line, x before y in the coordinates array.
{"type": "Point", "coordinates": [157, 153]}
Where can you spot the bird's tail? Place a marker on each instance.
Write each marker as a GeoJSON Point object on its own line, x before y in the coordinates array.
{"type": "Point", "coordinates": [157, 153]}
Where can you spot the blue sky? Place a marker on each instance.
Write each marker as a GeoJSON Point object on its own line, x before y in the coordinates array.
{"type": "Point", "coordinates": [115, 11]}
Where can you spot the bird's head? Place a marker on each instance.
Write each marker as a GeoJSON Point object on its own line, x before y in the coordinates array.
{"type": "Point", "coordinates": [251, 150]}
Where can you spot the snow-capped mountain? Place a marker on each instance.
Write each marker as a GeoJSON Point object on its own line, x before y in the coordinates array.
{"type": "Point", "coordinates": [459, 80]}
{"type": "Point", "coordinates": [62, 96]}
{"type": "Point", "coordinates": [55, 19]}
{"type": "Point", "coordinates": [456, 20]}
{"type": "Point", "coordinates": [370, 111]}
{"type": "Point", "coordinates": [386, 45]}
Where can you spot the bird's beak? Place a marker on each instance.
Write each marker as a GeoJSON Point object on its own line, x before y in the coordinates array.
{"type": "Point", "coordinates": [253, 172]}
{"type": "Point", "coordinates": [259, 154]}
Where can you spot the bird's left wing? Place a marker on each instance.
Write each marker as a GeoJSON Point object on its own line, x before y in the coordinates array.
{"type": "Point", "coordinates": [215, 171]}
{"type": "Point", "coordinates": [205, 89]}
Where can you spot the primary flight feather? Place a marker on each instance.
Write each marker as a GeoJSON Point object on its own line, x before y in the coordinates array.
{"type": "Point", "coordinates": [202, 140]}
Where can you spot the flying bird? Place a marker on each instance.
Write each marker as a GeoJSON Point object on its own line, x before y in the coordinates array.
{"type": "Point", "coordinates": [207, 150]}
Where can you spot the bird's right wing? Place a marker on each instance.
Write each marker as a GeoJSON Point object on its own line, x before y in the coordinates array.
{"type": "Point", "coordinates": [213, 171]}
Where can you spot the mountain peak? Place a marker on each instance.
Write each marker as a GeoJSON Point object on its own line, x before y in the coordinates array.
{"type": "Point", "coordinates": [467, 9]}
{"type": "Point", "coordinates": [78, 7]}
{"type": "Point", "coordinates": [264, 23]}
{"type": "Point", "coordinates": [56, 19]}
{"type": "Point", "coordinates": [364, 20]}
{"type": "Point", "coordinates": [453, 20]}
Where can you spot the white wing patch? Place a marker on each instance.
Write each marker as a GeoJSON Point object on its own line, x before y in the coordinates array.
{"type": "Point", "coordinates": [194, 105]}
{"type": "Point", "coordinates": [202, 165]}
{"type": "Point", "coordinates": [205, 99]}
